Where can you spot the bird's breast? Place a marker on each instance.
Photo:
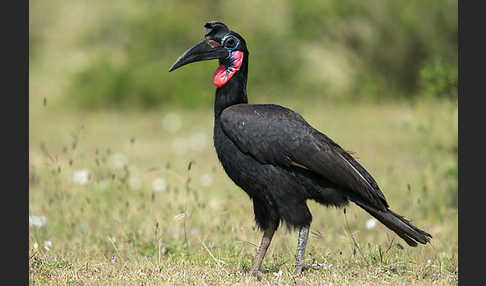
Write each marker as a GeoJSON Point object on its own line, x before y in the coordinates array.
{"type": "Point", "coordinates": [243, 169]}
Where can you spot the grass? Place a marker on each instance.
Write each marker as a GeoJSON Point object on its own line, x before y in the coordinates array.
{"type": "Point", "coordinates": [157, 208]}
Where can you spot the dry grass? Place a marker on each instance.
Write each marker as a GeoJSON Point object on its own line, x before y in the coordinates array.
{"type": "Point", "coordinates": [194, 226]}
{"type": "Point", "coordinates": [144, 218]}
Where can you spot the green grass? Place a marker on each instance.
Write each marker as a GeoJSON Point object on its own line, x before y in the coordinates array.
{"type": "Point", "coordinates": [199, 230]}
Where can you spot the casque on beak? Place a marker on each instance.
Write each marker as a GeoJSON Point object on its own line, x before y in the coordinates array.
{"type": "Point", "coordinates": [205, 50]}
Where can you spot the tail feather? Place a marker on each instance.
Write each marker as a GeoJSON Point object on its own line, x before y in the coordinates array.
{"type": "Point", "coordinates": [401, 226]}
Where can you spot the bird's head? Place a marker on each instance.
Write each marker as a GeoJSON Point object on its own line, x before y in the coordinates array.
{"type": "Point", "coordinates": [219, 43]}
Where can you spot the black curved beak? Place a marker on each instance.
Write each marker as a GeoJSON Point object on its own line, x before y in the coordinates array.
{"type": "Point", "coordinates": [201, 52]}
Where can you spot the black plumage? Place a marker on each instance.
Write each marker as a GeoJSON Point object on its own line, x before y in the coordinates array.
{"type": "Point", "coordinates": [277, 158]}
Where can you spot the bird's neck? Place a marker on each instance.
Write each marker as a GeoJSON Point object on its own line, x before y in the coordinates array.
{"type": "Point", "coordinates": [234, 91]}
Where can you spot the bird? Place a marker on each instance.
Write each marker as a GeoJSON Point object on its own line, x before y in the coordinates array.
{"type": "Point", "coordinates": [281, 161]}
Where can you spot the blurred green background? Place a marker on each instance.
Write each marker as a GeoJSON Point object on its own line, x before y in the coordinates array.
{"type": "Point", "coordinates": [96, 54]}
{"type": "Point", "coordinates": [112, 133]}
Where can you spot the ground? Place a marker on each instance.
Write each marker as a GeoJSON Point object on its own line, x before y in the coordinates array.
{"type": "Point", "coordinates": [139, 198]}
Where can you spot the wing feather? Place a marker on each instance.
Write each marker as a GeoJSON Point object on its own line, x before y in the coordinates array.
{"type": "Point", "coordinates": [276, 135]}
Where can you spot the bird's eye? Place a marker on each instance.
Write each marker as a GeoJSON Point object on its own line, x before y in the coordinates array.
{"type": "Point", "coordinates": [230, 43]}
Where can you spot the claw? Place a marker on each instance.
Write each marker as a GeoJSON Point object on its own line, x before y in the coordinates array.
{"type": "Point", "coordinates": [299, 268]}
{"type": "Point", "coordinates": [257, 274]}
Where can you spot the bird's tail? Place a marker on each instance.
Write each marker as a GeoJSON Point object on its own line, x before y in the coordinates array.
{"type": "Point", "coordinates": [401, 226]}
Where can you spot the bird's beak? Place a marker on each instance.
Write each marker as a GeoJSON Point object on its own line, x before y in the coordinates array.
{"type": "Point", "coordinates": [205, 50]}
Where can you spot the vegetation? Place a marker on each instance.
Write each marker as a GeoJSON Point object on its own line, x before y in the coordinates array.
{"type": "Point", "coordinates": [347, 49]}
{"type": "Point", "coordinates": [125, 186]}
{"type": "Point", "coordinates": [140, 198]}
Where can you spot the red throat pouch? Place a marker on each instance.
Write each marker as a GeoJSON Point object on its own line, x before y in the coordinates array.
{"type": "Point", "coordinates": [224, 73]}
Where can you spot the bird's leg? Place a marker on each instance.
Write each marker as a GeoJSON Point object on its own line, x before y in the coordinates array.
{"type": "Point", "coordinates": [266, 239]}
{"type": "Point", "coordinates": [301, 243]}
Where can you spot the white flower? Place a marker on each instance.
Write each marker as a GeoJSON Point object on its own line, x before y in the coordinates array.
{"type": "Point", "coordinates": [371, 223]}
{"type": "Point", "coordinates": [81, 177]}
{"type": "Point", "coordinates": [47, 244]}
{"type": "Point", "coordinates": [179, 216]}
{"type": "Point", "coordinates": [206, 180]}
{"type": "Point", "coordinates": [198, 141]}
{"type": "Point", "coordinates": [444, 254]}
{"type": "Point", "coordinates": [159, 184]}
{"type": "Point", "coordinates": [278, 274]}
{"type": "Point", "coordinates": [118, 161]}
{"type": "Point", "coordinates": [36, 245]}
{"type": "Point", "coordinates": [172, 122]}
{"type": "Point", "coordinates": [323, 265]}
{"type": "Point", "coordinates": [37, 221]}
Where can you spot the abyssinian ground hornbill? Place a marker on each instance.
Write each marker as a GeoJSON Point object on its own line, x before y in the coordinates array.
{"type": "Point", "coordinates": [277, 158]}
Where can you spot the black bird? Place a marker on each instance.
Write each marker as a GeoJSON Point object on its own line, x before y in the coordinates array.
{"type": "Point", "coordinates": [277, 158]}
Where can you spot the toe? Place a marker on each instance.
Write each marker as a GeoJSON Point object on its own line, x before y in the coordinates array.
{"type": "Point", "coordinates": [257, 274]}
{"type": "Point", "coordinates": [299, 268]}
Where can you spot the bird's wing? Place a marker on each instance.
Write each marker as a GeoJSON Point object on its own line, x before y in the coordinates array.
{"type": "Point", "coordinates": [276, 135]}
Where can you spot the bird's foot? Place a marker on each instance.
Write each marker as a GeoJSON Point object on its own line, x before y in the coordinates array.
{"type": "Point", "coordinates": [299, 268]}
{"type": "Point", "coordinates": [257, 274]}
